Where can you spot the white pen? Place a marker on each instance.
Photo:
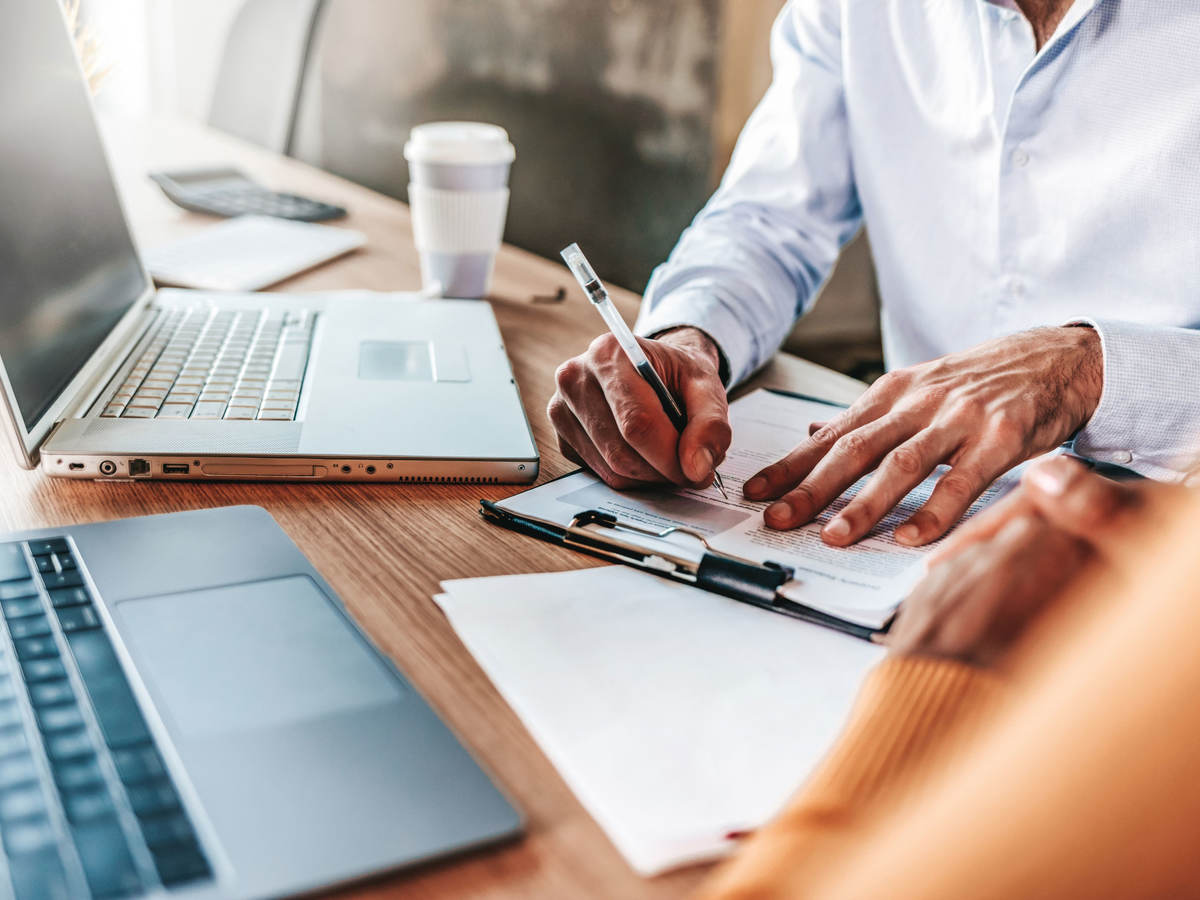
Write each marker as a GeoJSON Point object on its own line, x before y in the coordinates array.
{"type": "Point", "coordinates": [598, 294]}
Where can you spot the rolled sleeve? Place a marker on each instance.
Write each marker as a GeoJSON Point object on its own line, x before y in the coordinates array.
{"type": "Point", "coordinates": [699, 307]}
{"type": "Point", "coordinates": [755, 256]}
{"type": "Point", "coordinates": [1148, 418]}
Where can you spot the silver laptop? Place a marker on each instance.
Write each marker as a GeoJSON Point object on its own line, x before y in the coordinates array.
{"type": "Point", "coordinates": [186, 709]}
{"type": "Point", "coordinates": [105, 378]}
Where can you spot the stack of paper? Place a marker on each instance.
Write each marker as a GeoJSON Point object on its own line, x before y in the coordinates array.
{"type": "Point", "coordinates": [676, 716]}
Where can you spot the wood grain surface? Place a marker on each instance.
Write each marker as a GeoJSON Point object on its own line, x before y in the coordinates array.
{"type": "Point", "coordinates": [385, 548]}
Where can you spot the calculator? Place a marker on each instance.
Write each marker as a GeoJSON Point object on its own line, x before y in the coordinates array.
{"type": "Point", "coordinates": [229, 193]}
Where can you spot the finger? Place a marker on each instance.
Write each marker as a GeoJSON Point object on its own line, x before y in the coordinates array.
{"type": "Point", "coordinates": [571, 434]}
{"type": "Point", "coordinates": [706, 438]}
{"type": "Point", "coordinates": [1076, 500]}
{"type": "Point", "coordinates": [851, 457]}
{"type": "Point", "coordinates": [982, 527]}
{"type": "Point", "coordinates": [592, 412]}
{"type": "Point", "coordinates": [640, 418]}
{"type": "Point", "coordinates": [778, 478]}
{"type": "Point", "coordinates": [952, 496]}
{"type": "Point", "coordinates": [902, 470]}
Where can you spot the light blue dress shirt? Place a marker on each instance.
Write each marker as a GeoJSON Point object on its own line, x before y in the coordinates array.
{"type": "Point", "coordinates": [1004, 188]}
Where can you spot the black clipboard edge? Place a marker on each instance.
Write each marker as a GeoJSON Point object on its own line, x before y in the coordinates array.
{"type": "Point", "coordinates": [491, 512]}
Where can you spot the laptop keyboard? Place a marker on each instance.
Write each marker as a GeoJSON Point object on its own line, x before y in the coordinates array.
{"type": "Point", "coordinates": [206, 363]}
{"type": "Point", "coordinates": [87, 807]}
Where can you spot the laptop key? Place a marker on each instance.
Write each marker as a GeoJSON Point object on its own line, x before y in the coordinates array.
{"type": "Point", "coordinates": [43, 669]}
{"type": "Point", "coordinates": [12, 590]}
{"type": "Point", "coordinates": [59, 718]}
{"type": "Point", "coordinates": [209, 410]}
{"type": "Point", "coordinates": [10, 714]}
{"type": "Point", "coordinates": [16, 771]}
{"type": "Point", "coordinates": [30, 626]}
{"type": "Point", "coordinates": [67, 745]}
{"type": "Point", "coordinates": [69, 597]}
{"type": "Point", "coordinates": [44, 563]}
{"type": "Point", "coordinates": [87, 804]}
{"type": "Point", "coordinates": [49, 545]}
{"type": "Point", "coordinates": [107, 863]}
{"type": "Point", "coordinates": [79, 774]}
{"type": "Point", "coordinates": [115, 706]}
{"type": "Point", "coordinates": [37, 648]}
{"type": "Point", "coordinates": [180, 865]}
{"type": "Point", "coordinates": [54, 580]}
{"type": "Point", "coordinates": [137, 764]}
{"type": "Point", "coordinates": [12, 740]}
{"type": "Point", "coordinates": [78, 618]}
{"type": "Point", "coordinates": [12, 563]}
{"type": "Point", "coordinates": [22, 803]}
{"type": "Point", "coordinates": [29, 836]}
{"type": "Point", "coordinates": [153, 798]}
{"type": "Point", "coordinates": [38, 875]}
{"type": "Point", "coordinates": [51, 693]}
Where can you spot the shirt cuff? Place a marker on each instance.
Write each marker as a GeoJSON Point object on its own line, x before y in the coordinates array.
{"type": "Point", "coordinates": [1148, 418]}
{"type": "Point", "coordinates": [699, 308]}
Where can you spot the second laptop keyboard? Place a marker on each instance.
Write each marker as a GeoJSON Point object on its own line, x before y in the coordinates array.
{"type": "Point", "coordinates": [204, 363]}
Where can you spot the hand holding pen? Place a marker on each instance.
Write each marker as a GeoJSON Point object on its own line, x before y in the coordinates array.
{"type": "Point", "coordinates": [615, 414]}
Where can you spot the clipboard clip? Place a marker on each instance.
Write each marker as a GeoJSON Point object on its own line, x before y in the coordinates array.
{"type": "Point", "coordinates": [732, 576]}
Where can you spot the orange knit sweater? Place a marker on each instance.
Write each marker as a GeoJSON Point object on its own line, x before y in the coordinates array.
{"type": "Point", "coordinates": [1076, 776]}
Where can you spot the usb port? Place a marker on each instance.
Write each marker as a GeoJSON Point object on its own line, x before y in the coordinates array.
{"type": "Point", "coordinates": [176, 468]}
{"type": "Point", "coordinates": [139, 467]}
{"type": "Point", "coordinates": [76, 467]}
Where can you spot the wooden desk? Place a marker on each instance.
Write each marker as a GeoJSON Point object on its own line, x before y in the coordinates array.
{"type": "Point", "coordinates": [385, 548]}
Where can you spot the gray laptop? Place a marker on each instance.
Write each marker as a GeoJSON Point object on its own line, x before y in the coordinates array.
{"type": "Point", "coordinates": [186, 709]}
{"type": "Point", "coordinates": [106, 378]}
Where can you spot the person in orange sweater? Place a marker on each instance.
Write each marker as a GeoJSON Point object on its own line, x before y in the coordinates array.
{"type": "Point", "coordinates": [1035, 729]}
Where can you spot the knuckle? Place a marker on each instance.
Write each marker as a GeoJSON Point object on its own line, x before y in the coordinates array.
{"type": "Point", "coordinates": [636, 425]}
{"type": "Point", "coordinates": [556, 410]}
{"type": "Point", "coordinates": [603, 346]}
{"type": "Point", "coordinates": [853, 445]}
{"type": "Point", "coordinates": [568, 374]}
{"type": "Point", "coordinates": [825, 436]}
{"type": "Point", "coordinates": [957, 486]}
{"type": "Point", "coordinates": [906, 461]}
{"type": "Point", "coordinates": [968, 408]}
{"type": "Point", "coordinates": [935, 396]}
{"type": "Point", "coordinates": [894, 381]}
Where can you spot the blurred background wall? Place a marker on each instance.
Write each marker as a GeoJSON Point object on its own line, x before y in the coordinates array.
{"type": "Point", "coordinates": [624, 112]}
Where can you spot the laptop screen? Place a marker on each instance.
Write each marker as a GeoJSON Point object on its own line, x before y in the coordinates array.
{"type": "Point", "coordinates": [68, 267]}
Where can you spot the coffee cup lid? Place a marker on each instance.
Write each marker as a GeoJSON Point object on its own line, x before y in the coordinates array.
{"type": "Point", "coordinates": [459, 143]}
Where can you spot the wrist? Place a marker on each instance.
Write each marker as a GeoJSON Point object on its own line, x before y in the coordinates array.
{"type": "Point", "coordinates": [1088, 380]}
{"type": "Point", "coordinates": [692, 341]}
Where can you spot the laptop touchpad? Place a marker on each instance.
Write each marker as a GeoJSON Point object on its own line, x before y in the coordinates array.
{"type": "Point", "coordinates": [251, 656]}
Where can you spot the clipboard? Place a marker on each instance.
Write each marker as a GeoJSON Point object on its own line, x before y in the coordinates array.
{"type": "Point", "coordinates": [599, 534]}
{"type": "Point", "coordinates": [602, 535]}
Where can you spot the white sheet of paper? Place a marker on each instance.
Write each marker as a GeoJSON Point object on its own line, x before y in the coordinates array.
{"type": "Point", "coordinates": [676, 716]}
{"type": "Point", "coordinates": [863, 583]}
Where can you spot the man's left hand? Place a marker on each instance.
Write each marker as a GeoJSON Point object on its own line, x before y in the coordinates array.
{"type": "Point", "coordinates": [981, 412]}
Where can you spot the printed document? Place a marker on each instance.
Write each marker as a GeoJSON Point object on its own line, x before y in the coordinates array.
{"type": "Point", "coordinates": [863, 583]}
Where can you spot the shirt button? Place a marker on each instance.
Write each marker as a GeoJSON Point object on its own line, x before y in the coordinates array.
{"type": "Point", "coordinates": [1121, 457]}
{"type": "Point", "coordinates": [1020, 158]}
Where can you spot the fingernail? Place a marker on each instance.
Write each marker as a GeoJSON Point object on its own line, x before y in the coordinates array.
{"type": "Point", "coordinates": [839, 528]}
{"type": "Point", "coordinates": [755, 486]}
{"type": "Point", "coordinates": [908, 534]}
{"type": "Point", "coordinates": [1051, 479]}
{"type": "Point", "coordinates": [780, 511]}
{"type": "Point", "coordinates": [702, 462]}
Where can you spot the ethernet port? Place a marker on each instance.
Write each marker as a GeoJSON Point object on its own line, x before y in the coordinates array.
{"type": "Point", "coordinates": [139, 467]}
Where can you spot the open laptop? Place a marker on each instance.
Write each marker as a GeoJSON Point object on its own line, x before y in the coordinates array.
{"type": "Point", "coordinates": [186, 710]}
{"type": "Point", "coordinates": [105, 378]}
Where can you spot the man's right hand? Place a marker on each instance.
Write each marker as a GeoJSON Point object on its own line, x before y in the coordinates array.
{"type": "Point", "coordinates": [611, 421]}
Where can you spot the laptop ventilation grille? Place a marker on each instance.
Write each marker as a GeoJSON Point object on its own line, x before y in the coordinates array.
{"type": "Point", "coordinates": [426, 479]}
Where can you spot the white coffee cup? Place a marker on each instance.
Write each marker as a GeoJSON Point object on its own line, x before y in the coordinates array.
{"type": "Point", "coordinates": [458, 194]}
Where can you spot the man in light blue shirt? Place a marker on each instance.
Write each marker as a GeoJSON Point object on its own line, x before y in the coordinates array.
{"type": "Point", "coordinates": [1030, 174]}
